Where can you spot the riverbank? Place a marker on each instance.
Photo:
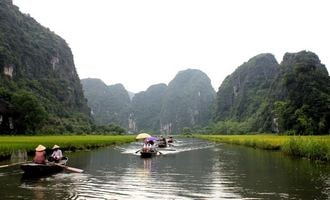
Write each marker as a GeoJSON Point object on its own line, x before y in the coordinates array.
{"type": "Point", "coordinates": [10, 144]}
{"type": "Point", "coordinates": [311, 147]}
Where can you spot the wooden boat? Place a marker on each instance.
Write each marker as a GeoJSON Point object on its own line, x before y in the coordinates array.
{"type": "Point", "coordinates": [170, 140]}
{"type": "Point", "coordinates": [148, 154]}
{"type": "Point", "coordinates": [33, 169]}
{"type": "Point", "coordinates": [162, 145]}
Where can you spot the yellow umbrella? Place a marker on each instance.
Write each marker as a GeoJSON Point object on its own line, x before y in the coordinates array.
{"type": "Point", "coordinates": [142, 136]}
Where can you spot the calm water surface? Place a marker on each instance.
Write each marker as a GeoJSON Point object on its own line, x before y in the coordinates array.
{"type": "Point", "coordinates": [192, 169]}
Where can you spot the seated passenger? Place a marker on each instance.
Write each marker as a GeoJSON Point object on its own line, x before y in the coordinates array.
{"type": "Point", "coordinates": [40, 155]}
{"type": "Point", "coordinates": [145, 147]}
{"type": "Point", "coordinates": [56, 155]}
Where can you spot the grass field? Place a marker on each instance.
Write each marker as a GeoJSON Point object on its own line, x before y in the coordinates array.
{"type": "Point", "coordinates": [8, 144]}
{"type": "Point", "coordinates": [311, 147]}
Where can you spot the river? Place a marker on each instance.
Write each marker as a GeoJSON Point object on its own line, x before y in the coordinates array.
{"type": "Point", "coordinates": [192, 169]}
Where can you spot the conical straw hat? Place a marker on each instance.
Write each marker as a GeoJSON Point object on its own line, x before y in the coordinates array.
{"type": "Point", "coordinates": [56, 147]}
{"type": "Point", "coordinates": [40, 148]}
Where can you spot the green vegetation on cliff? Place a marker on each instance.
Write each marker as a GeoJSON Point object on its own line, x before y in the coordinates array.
{"type": "Point", "coordinates": [146, 108]}
{"type": "Point", "coordinates": [242, 93]}
{"type": "Point", "coordinates": [188, 102]}
{"type": "Point", "coordinates": [109, 104]}
{"type": "Point", "coordinates": [39, 88]}
{"type": "Point", "coordinates": [299, 100]}
{"type": "Point", "coordinates": [262, 96]}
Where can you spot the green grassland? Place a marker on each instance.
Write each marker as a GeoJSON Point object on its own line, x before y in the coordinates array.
{"type": "Point", "coordinates": [311, 147]}
{"type": "Point", "coordinates": [8, 144]}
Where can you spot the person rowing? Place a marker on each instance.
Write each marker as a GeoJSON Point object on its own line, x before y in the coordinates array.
{"type": "Point", "coordinates": [56, 155]}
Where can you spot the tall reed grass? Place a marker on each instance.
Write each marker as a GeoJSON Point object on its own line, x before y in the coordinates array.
{"type": "Point", "coordinates": [311, 147]}
{"type": "Point", "coordinates": [8, 144]}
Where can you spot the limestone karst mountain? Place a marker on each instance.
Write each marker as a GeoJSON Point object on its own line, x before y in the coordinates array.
{"type": "Point", "coordinates": [109, 104]}
{"type": "Point", "coordinates": [187, 102]}
{"type": "Point", "coordinates": [299, 99]}
{"type": "Point", "coordinates": [263, 96]}
{"type": "Point", "coordinates": [146, 107]}
{"type": "Point", "coordinates": [242, 93]}
{"type": "Point", "coordinates": [39, 85]}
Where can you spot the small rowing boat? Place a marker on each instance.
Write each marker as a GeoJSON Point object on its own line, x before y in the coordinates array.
{"type": "Point", "coordinates": [162, 145]}
{"type": "Point", "coordinates": [33, 169]}
{"type": "Point", "coordinates": [148, 154]}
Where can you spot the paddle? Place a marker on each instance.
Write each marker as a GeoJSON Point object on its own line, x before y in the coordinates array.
{"type": "Point", "coordinates": [138, 151]}
{"type": "Point", "coordinates": [13, 164]}
{"type": "Point", "coordinates": [70, 168]}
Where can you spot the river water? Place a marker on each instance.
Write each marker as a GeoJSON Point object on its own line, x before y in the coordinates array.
{"type": "Point", "coordinates": [192, 169]}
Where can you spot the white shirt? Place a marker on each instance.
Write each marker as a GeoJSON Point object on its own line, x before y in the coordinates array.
{"type": "Point", "coordinates": [57, 154]}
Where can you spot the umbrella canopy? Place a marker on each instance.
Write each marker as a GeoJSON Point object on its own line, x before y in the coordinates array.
{"type": "Point", "coordinates": [142, 136]}
{"type": "Point", "coordinates": [151, 138]}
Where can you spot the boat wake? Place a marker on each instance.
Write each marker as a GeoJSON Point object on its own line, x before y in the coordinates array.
{"type": "Point", "coordinates": [181, 145]}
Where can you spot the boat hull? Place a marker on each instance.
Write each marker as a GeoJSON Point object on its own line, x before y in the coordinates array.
{"type": "Point", "coordinates": [148, 154]}
{"type": "Point", "coordinates": [162, 145]}
{"type": "Point", "coordinates": [33, 169]}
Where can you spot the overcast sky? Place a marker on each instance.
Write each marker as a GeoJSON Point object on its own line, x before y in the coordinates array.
{"type": "Point", "coordinates": [144, 42]}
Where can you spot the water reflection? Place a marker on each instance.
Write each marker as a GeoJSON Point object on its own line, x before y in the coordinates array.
{"type": "Point", "coordinates": [147, 166]}
{"type": "Point", "coordinates": [38, 191]}
{"type": "Point", "coordinates": [270, 175]}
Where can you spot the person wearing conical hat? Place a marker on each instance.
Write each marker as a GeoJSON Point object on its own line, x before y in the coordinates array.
{"type": "Point", "coordinates": [40, 155]}
{"type": "Point", "coordinates": [57, 154]}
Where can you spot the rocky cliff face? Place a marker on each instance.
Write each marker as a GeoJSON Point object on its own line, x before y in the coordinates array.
{"type": "Point", "coordinates": [120, 104]}
{"type": "Point", "coordinates": [109, 104]}
{"type": "Point", "coordinates": [187, 102]}
{"type": "Point", "coordinates": [146, 108]}
{"type": "Point", "coordinates": [299, 98]}
{"type": "Point", "coordinates": [263, 96]}
{"type": "Point", "coordinates": [34, 59]}
{"type": "Point", "coordinates": [96, 92]}
{"type": "Point", "coordinates": [241, 94]}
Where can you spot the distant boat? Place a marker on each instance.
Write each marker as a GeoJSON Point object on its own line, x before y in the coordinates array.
{"type": "Point", "coordinates": [170, 140]}
{"type": "Point", "coordinates": [162, 145]}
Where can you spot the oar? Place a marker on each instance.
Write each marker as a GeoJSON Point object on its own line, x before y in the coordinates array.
{"type": "Point", "coordinates": [70, 168]}
{"type": "Point", "coordinates": [138, 151]}
{"type": "Point", "coordinates": [13, 164]}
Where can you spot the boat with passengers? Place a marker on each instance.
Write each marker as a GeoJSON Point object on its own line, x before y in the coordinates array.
{"type": "Point", "coordinates": [34, 169]}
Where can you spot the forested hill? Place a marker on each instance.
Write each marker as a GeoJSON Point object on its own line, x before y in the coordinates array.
{"type": "Point", "coordinates": [40, 90]}
{"type": "Point", "coordinates": [299, 99]}
{"type": "Point", "coordinates": [262, 96]}
{"type": "Point", "coordinates": [109, 104]}
{"type": "Point", "coordinates": [188, 102]}
{"type": "Point", "coordinates": [242, 93]}
{"type": "Point", "coordinates": [146, 108]}
{"type": "Point", "coordinates": [120, 104]}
